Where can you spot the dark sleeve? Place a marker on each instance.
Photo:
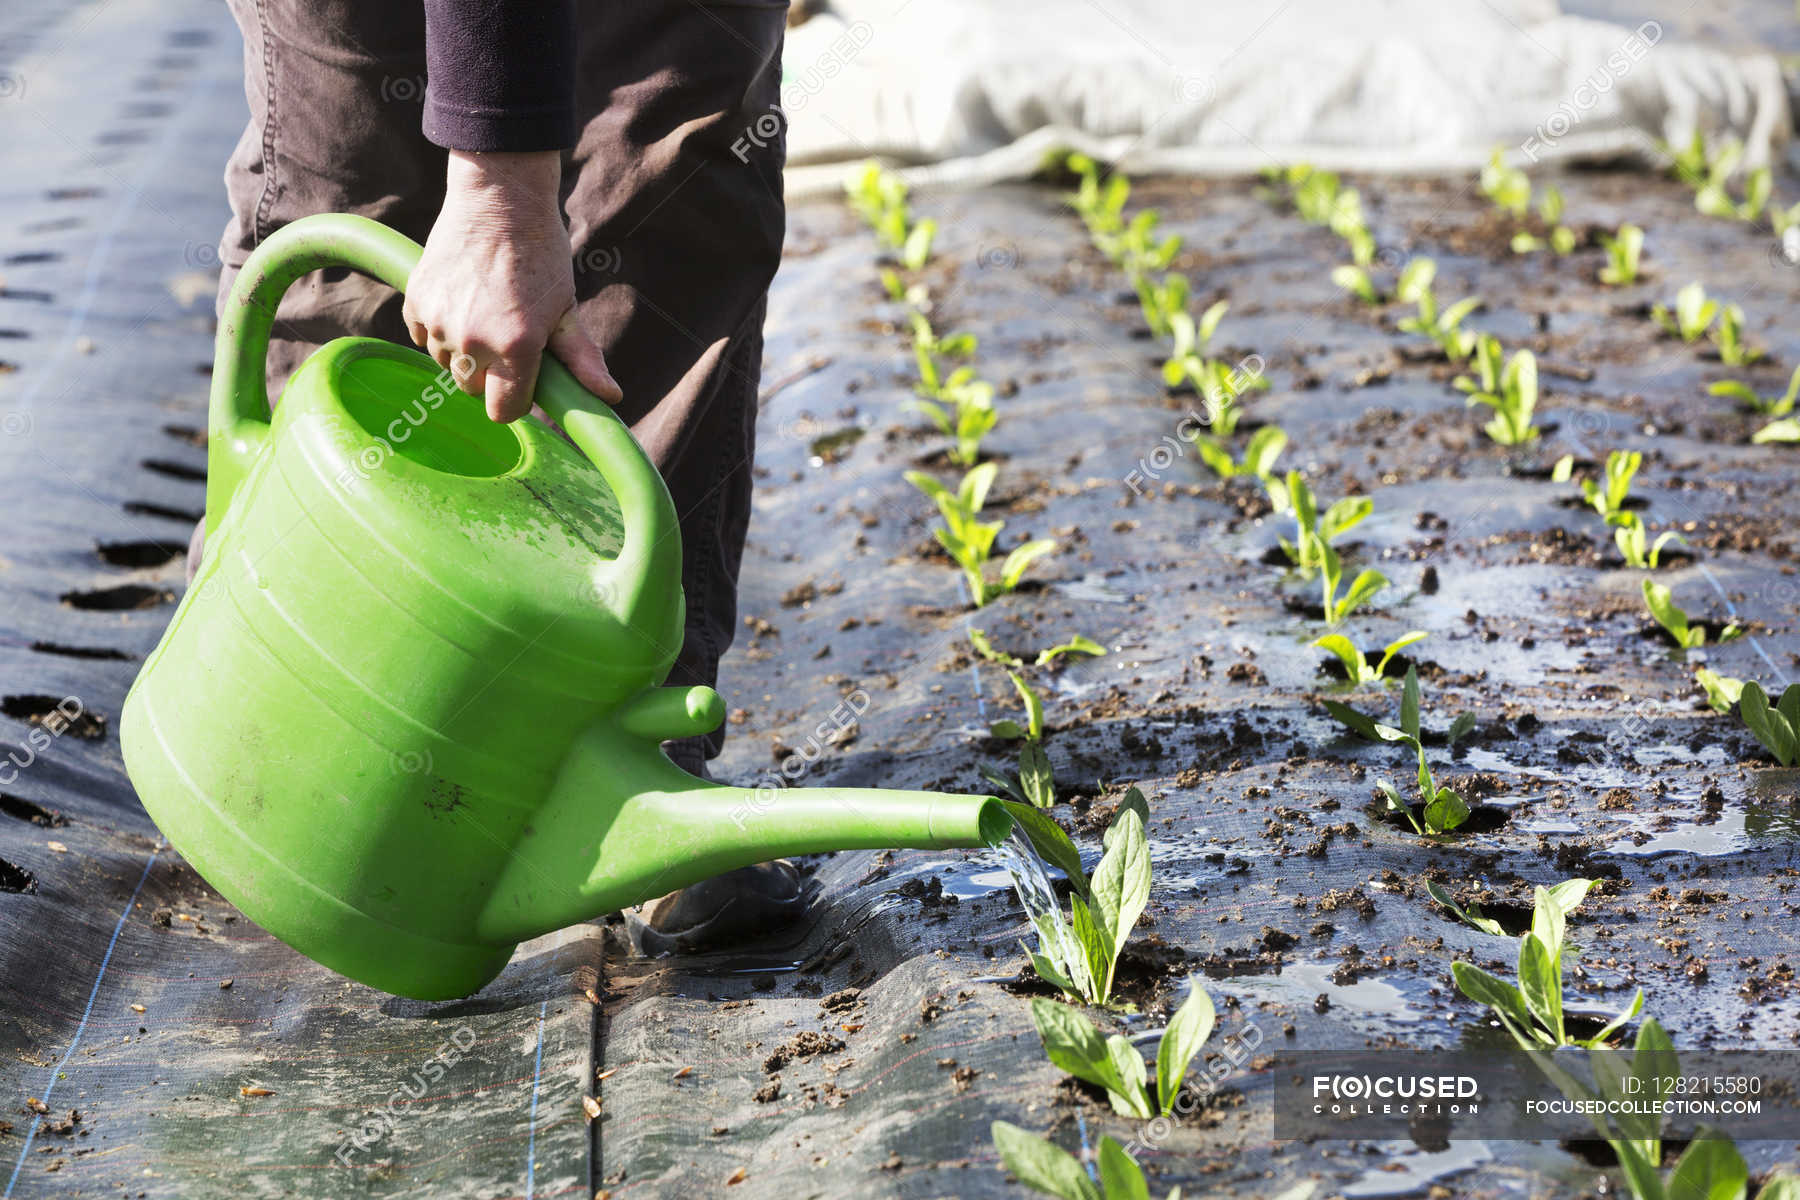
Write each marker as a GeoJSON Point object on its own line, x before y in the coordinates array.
{"type": "Point", "coordinates": [501, 74]}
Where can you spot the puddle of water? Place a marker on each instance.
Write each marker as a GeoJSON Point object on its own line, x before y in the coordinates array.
{"type": "Point", "coordinates": [1748, 825]}
{"type": "Point", "coordinates": [1407, 1170]}
{"type": "Point", "coordinates": [1300, 982]}
{"type": "Point", "coordinates": [1091, 587]}
{"type": "Point", "coordinates": [968, 877]}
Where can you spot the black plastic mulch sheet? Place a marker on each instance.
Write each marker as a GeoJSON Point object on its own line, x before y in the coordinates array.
{"type": "Point", "coordinates": [869, 1057]}
{"type": "Point", "coordinates": [174, 1048]}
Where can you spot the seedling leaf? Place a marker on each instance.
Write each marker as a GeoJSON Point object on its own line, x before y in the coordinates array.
{"type": "Point", "coordinates": [1496, 993]}
{"type": "Point", "coordinates": [1120, 1176]}
{"type": "Point", "coordinates": [1709, 1169]}
{"type": "Point", "coordinates": [1134, 800]}
{"type": "Point", "coordinates": [1013, 569]}
{"type": "Point", "coordinates": [1409, 703]}
{"type": "Point", "coordinates": [1121, 884]}
{"type": "Point", "coordinates": [1188, 1030]}
{"type": "Point", "coordinates": [1354, 720]}
{"type": "Point", "coordinates": [1042, 1165]}
{"type": "Point", "coordinates": [1540, 983]}
{"type": "Point", "coordinates": [1132, 1097]}
{"type": "Point", "coordinates": [1441, 894]}
{"type": "Point", "coordinates": [1447, 811]}
{"type": "Point", "coordinates": [1035, 776]}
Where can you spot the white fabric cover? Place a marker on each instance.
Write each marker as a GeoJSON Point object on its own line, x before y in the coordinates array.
{"type": "Point", "coordinates": [980, 90]}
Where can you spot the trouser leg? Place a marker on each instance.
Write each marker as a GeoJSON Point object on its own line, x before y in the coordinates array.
{"type": "Point", "coordinates": [677, 219]}
{"type": "Point", "coordinates": [674, 200]}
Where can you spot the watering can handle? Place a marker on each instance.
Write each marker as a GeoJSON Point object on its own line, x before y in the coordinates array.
{"type": "Point", "coordinates": [238, 411]}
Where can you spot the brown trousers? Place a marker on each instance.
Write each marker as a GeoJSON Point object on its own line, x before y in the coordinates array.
{"type": "Point", "coordinates": [674, 201]}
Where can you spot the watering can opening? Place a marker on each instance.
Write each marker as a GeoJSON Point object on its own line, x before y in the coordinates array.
{"type": "Point", "coordinates": [410, 405]}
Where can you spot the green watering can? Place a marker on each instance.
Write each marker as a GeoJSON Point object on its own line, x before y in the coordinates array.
{"type": "Point", "coordinates": [409, 713]}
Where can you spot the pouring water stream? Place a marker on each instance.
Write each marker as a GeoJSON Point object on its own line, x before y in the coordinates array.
{"type": "Point", "coordinates": [1031, 883]}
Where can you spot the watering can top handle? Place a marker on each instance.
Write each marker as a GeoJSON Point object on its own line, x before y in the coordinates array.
{"type": "Point", "coordinates": [239, 415]}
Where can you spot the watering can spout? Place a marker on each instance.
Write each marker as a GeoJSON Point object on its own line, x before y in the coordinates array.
{"type": "Point", "coordinates": [625, 825]}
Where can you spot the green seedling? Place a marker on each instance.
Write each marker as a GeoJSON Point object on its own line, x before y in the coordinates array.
{"type": "Point", "coordinates": [1099, 203]}
{"type": "Point", "coordinates": [1692, 315]}
{"type": "Point", "coordinates": [1728, 339]}
{"type": "Point", "coordinates": [915, 250]}
{"type": "Point", "coordinates": [1362, 589]}
{"type": "Point", "coordinates": [1769, 406]}
{"type": "Point", "coordinates": [1319, 199]}
{"type": "Point", "coordinates": [1160, 298]}
{"type": "Point", "coordinates": [1346, 216]}
{"type": "Point", "coordinates": [1550, 210]}
{"type": "Point", "coordinates": [1313, 531]}
{"type": "Point", "coordinates": [1315, 195]}
{"type": "Point", "coordinates": [1036, 779]}
{"type": "Point", "coordinates": [1080, 961]}
{"type": "Point", "coordinates": [1444, 328]}
{"type": "Point", "coordinates": [932, 352]}
{"type": "Point", "coordinates": [913, 295]}
{"type": "Point", "coordinates": [1075, 645]}
{"type": "Point", "coordinates": [1632, 539]}
{"type": "Point", "coordinates": [1785, 430]}
{"type": "Point", "coordinates": [1260, 453]}
{"type": "Point", "coordinates": [960, 405]}
{"type": "Point", "coordinates": [1072, 1043]}
{"type": "Point", "coordinates": [1045, 1167]}
{"type": "Point", "coordinates": [1360, 242]}
{"type": "Point", "coordinates": [1532, 1010]}
{"type": "Point", "coordinates": [1623, 251]}
{"type": "Point", "coordinates": [1712, 194]}
{"type": "Point", "coordinates": [1776, 726]}
{"type": "Point", "coordinates": [1722, 691]}
{"type": "Point", "coordinates": [1014, 566]}
{"type": "Point", "coordinates": [1415, 280]}
{"type": "Point", "coordinates": [1470, 915]}
{"type": "Point", "coordinates": [1688, 163]}
{"type": "Point", "coordinates": [1356, 665]}
{"type": "Point", "coordinates": [1508, 187]}
{"type": "Point", "coordinates": [1489, 359]}
{"type": "Point", "coordinates": [1219, 385]}
{"type": "Point", "coordinates": [1222, 386]}
{"type": "Point", "coordinates": [1514, 400]}
{"type": "Point", "coordinates": [1137, 248]}
{"type": "Point", "coordinates": [1193, 337]}
{"type": "Point", "coordinates": [1674, 620]}
{"type": "Point", "coordinates": [965, 414]}
{"type": "Point", "coordinates": [879, 197]}
{"type": "Point", "coordinates": [969, 540]}
{"type": "Point", "coordinates": [1626, 1105]}
{"type": "Point", "coordinates": [1608, 498]}
{"type": "Point", "coordinates": [1355, 279]}
{"type": "Point", "coordinates": [1444, 809]}
{"type": "Point", "coordinates": [1033, 729]}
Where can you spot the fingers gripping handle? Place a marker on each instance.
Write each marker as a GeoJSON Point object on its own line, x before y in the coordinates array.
{"type": "Point", "coordinates": [238, 412]}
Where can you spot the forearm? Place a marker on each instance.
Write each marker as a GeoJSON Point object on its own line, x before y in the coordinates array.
{"type": "Point", "coordinates": [515, 193]}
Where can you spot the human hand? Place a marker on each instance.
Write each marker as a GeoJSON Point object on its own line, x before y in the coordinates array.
{"type": "Point", "coordinates": [495, 286]}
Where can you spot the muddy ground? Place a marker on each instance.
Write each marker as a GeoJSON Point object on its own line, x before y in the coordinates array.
{"type": "Point", "coordinates": [1301, 911]}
